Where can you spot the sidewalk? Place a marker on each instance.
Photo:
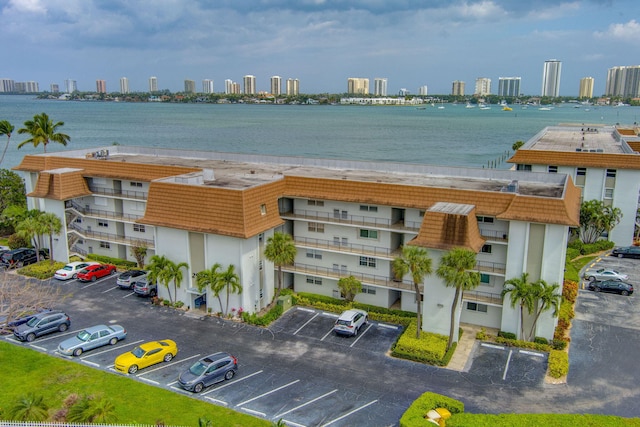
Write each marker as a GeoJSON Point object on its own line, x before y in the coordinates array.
{"type": "Point", "coordinates": [465, 346]}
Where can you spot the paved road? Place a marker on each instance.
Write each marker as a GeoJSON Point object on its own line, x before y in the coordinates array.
{"type": "Point", "coordinates": [298, 371]}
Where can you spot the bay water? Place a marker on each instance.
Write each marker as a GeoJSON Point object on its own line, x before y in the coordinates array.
{"type": "Point", "coordinates": [453, 135]}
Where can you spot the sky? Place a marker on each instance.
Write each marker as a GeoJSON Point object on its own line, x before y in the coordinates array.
{"type": "Point", "coordinates": [322, 43]}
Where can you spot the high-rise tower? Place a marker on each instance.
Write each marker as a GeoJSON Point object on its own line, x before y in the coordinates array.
{"type": "Point", "coordinates": [551, 78]}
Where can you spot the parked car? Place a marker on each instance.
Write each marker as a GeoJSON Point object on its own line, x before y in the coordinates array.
{"type": "Point", "coordinates": [42, 324]}
{"type": "Point", "coordinates": [95, 272]}
{"type": "Point", "coordinates": [90, 338]}
{"type": "Point", "coordinates": [17, 258]}
{"type": "Point", "coordinates": [613, 286]}
{"type": "Point", "coordinates": [21, 318]}
{"type": "Point", "coordinates": [209, 370]}
{"type": "Point", "coordinates": [605, 274]}
{"type": "Point", "coordinates": [145, 355]}
{"type": "Point", "coordinates": [350, 322]}
{"type": "Point", "coordinates": [626, 252]}
{"type": "Point", "coordinates": [144, 288]}
{"type": "Point", "coordinates": [70, 271]}
{"type": "Point", "coordinates": [128, 278]}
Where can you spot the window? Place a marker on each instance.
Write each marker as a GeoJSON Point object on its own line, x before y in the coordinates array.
{"type": "Point", "coordinates": [135, 184]}
{"type": "Point", "coordinates": [314, 280]}
{"type": "Point", "coordinates": [139, 228]}
{"type": "Point", "coordinates": [367, 262]}
{"type": "Point", "coordinates": [263, 209]}
{"type": "Point", "coordinates": [368, 208]}
{"type": "Point", "coordinates": [102, 223]}
{"type": "Point", "coordinates": [338, 214]}
{"type": "Point", "coordinates": [312, 202]}
{"type": "Point", "coordinates": [485, 219]}
{"type": "Point", "coordinates": [100, 201]}
{"type": "Point", "coordinates": [316, 227]}
{"type": "Point", "coordinates": [611, 173]}
{"type": "Point", "coordinates": [138, 206]}
{"type": "Point", "coordinates": [524, 167]}
{"type": "Point", "coordinates": [99, 181]}
{"type": "Point", "coordinates": [421, 214]}
{"type": "Point", "coordinates": [552, 169]}
{"type": "Point", "coordinates": [368, 234]}
{"type": "Point", "coordinates": [79, 220]}
{"type": "Point", "coordinates": [484, 279]}
{"type": "Point", "coordinates": [473, 306]}
{"type": "Point", "coordinates": [581, 172]}
{"type": "Point", "coordinates": [368, 290]}
{"type": "Point", "coordinates": [314, 254]}
{"type": "Point", "coordinates": [608, 193]}
{"type": "Point", "coordinates": [105, 245]}
{"type": "Point", "coordinates": [486, 249]}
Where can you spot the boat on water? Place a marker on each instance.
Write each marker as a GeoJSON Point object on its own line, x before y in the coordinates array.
{"type": "Point", "coordinates": [470, 105]}
{"type": "Point", "coordinates": [507, 108]}
{"type": "Point", "coordinates": [421, 108]}
{"type": "Point", "coordinates": [484, 106]}
{"type": "Point", "coordinates": [545, 108]}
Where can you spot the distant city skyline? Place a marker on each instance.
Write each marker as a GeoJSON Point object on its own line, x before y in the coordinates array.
{"type": "Point", "coordinates": [321, 43]}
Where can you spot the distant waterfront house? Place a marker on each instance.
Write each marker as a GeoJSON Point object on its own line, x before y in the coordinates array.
{"type": "Point", "coordinates": [603, 161]}
{"type": "Point", "coordinates": [346, 218]}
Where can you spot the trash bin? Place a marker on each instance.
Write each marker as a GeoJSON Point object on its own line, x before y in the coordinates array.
{"type": "Point", "coordinates": [285, 302]}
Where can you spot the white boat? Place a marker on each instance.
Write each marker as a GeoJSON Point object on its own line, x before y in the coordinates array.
{"type": "Point", "coordinates": [484, 106]}
{"type": "Point", "coordinates": [544, 108]}
{"type": "Point", "coordinates": [470, 105]}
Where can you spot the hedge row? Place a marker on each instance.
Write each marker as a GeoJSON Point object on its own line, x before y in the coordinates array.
{"type": "Point", "coordinates": [41, 270]}
{"type": "Point", "coordinates": [589, 248]}
{"type": "Point", "coordinates": [110, 260]}
{"type": "Point", "coordinates": [414, 415]}
{"type": "Point", "coordinates": [253, 319]}
{"type": "Point", "coordinates": [429, 348]}
{"type": "Point", "coordinates": [558, 363]}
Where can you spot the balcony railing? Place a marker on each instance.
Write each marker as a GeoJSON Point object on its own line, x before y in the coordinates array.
{"type": "Point", "coordinates": [97, 213]}
{"type": "Point", "coordinates": [482, 297]}
{"type": "Point", "coordinates": [491, 267]}
{"type": "Point", "coordinates": [127, 194]}
{"type": "Point", "coordinates": [366, 221]}
{"type": "Point", "coordinates": [347, 247]}
{"type": "Point", "coordinates": [495, 235]}
{"type": "Point", "coordinates": [108, 237]}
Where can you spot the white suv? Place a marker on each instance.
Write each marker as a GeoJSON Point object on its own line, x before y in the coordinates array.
{"type": "Point", "coordinates": [350, 322]}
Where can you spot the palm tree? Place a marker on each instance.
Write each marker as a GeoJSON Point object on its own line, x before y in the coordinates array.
{"type": "Point", "coordinates": [50, 224]}
{"type": "Point", "coordinates": [231, 283]}
{"type": "Point", "coordinates": [29, 229]}
{"type": "Point", "coordinates": [175, 274]}
{"type": "Point", "coordinates": [43, 131]}
{"type": "Point", "coordinates": [280, 250]}
{"type": "Point", "coordinates": [92, 410]}
{"type": "Point", "coordinates": [210, 278]}
{"type": "Point", "coordinates": [6, 128]}
{"type": "Point", "coordinates": [521, 292]}
{"type": "Point", "coordinates": [547, 297]}
{"type": "Point", "coordinates": [416, 261]}
{"type": "Point", "coordinates": [454, 269]}
{"type": "Point", "coordinates": [159, 271]}
{"type": "Point", "coordinates": [29, 408]}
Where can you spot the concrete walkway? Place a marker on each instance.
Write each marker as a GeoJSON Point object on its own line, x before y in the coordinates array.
{"type": "Point", "coordinates": [465, 346]}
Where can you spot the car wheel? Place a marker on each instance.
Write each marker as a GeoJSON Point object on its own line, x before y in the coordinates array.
{"type": "Point", "coordinates": [93, 278]}
{"type": "Point", "coordinates": [168, 357]}
{"type": "Point", "coordinates": [20, 264]}
{"type": "Point", "coordinates": [77, 352]}
{"type": "Point", "coordinates": [229, 375]}
{"type": "Point", "coordinates": [591, 279]}
{"type": "Point", "coordinates": [625, 293]}
{"type": "Point", "coordinates": [596, 289]}
{"type": "Point", "coordinates": [153, 293]}
{"type": "Point", "coordinates": [63, 327]}
{"type": "Point", "coordinates": [31, 337]}
{"type": "Point", "coordinates": [355, 332]}
{"type": "Point", "coordinates": [366, 320]}
{"type": "Point", "coordinates": [620, 256]}
{"type": "Point", "coordinates": [75, 276]}
{"type": "Point", "coordinates": [198, 388]}
{"type": "Point", "coordinates": [133, 369]}
{"type": "Point", "coordinates": [113, 341]}
{"type": "Point", "coordinates": [113, 272]}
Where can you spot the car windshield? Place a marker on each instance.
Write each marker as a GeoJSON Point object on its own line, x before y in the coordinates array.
{"type": "Point", "coordinates": [137, 352]}
{"type": "Point", "coordinates": [197, 368]}
{"type": "Point", "coordinates": [67, 268]}
{"type": "Point", "coordinates": [83, 336]}
{"type": "Point", "coordinates": [33, 321]}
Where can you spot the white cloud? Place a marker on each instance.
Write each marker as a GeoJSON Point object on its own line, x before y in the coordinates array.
{"type": "Point", "coordinates": [33, 6]}
{"type": "Point", "coordinates": [629, 31]}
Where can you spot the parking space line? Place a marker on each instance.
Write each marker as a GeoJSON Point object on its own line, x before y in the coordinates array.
{"type": "Point", "coordinates": [305, 404]}
{"type": "Point", "coordinates": [306, 323]}
{"type": "Point", "coordinates": [327, 334]}
{"type": "Point", "coordinates": [115, 347]}
{"type": "Point", "coordinates": [173, 362]}
{"type": "Point", "coordinates": [506, 366]}
{"type": "Point", "coordinates": [268, 393]}
{"type": "Point", "coordinates": [292, 424]}
{"type": "Point", "coordinates": [308, 310]}
{"type": "Point", "coordinates": [258, 413]}
{"type": "Point", "coordinates": [324, 313]}
{"type": "Point", "coordinates": [109, 290]}
{"type": "Point", "coordinates": [149, 381]}
{"type": "Point", "coordinates": [38, 347]}
{"type": "Point", "coordinates": [360, 335]}
{"type": "Point", "coordinates": [531, 353]}
{"type": "Point", "coordinates": [90, 363]}
{"type": "Point", "coordinates": [349, 413]}
{"type": "Point", "coordinates": [219, 402]}
{"type": "Point", "coordinates": [497, 347]}
{"type": "Point", "coordinates": [232, 383]}
{"type": "Point", "coordinates": [129, 294]}
{"type": "Point", "coordinates": [384, 325]}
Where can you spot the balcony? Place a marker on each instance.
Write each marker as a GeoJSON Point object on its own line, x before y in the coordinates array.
{"type": "Point", "coordinates": [124, 194]}
{"type": "Point", "coordinates": [355, 220]}
{"type": "Point", "coordinates": [494, 235]}
{"type": "Point", "coordinates": [107, 237]}
{"type": "Point", "coordinates": [97, 213]}
{"type": "Point", "coordinates": [482, 297]}
{"type": "Point", "coordinates": [351, 248]}
{"type": "Point", "coordinates": [491, 267]}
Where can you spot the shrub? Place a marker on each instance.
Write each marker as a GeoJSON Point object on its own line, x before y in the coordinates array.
{"type": "Point", "coordinates": [482, 335]}
{"type": "Point", "coordinates": [570, 290]}
{"type": "Point", "coordinates": [558, 363]}
{"type": "Point", "coordinates": [558, 344]}
{"type": "Point", "coordinates": [507, 335]}
{"type": "Point", "coordinates": [414, 415]}
{"type": "Point", "coordinates": [429, 348]}
{"type": "Point", "coordinates": [110, 260]}
{"type": "Point", "coordinates": [572, 253]}
{"type": "Point", "coordinates": [541, 340]}
{"type": "Point", "coordinates": [41, 270]}
{"type": "Point", "coordinates": [523, 344]}
{"type": "Point", "coordinates": [15, 242]}
{"type": "Point", "coordinates": [271, 315]}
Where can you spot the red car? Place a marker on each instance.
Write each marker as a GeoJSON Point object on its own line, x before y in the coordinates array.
{"type": "Point", "coordinates": [91, 273]}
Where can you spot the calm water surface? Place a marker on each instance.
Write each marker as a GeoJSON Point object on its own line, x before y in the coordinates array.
{"type": "Point", "coordinates": [455, 135]}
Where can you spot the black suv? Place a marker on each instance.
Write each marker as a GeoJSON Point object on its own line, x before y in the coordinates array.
{"type": "Point", "coordinates": [18, 257]}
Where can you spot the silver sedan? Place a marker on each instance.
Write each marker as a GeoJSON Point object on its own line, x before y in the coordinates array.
{"type": "Point", "coordinates": [90, 338]}
{"type": "Point", "coordinates": [605, 274]}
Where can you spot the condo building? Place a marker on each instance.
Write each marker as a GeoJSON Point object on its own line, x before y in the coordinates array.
{"type": "Point", "coordinates": [276, 85]}
{"type": "Point", "coordinates": [54, 87]}
{"type": "Point", "coordinates": [346, 218]}
{"type": "Point", "coordinates": [293, 87]}
{"type": "Point", "coordinates": [457, 88]}
{"type": "Point", "coordinates": [423, 90]}
{"type": "Point", "coordinates": [586, 87]}
{"type": "Point", "coordinates": [101, 86]}
{"type": "Point", "coordinates": [380, 86]}
{"type": "Point", "coordinates": [7, 85]}
{"type": "Point", "coordinates": [483, 86]}
{"type": "Point", "coordinates": [509, 86]}
{"type": "Point", "coordinates": [249, 83]}
{"type": "Point", "coordinates": [207, 86]}
{"type": "Point", "coordinates": [602, 161]}
{"type": "Point", "coordinates": [153, 84]}
{"type": "Point", "coordinates": [551, 78]}
{"type": "Point", "coordinates": [124, 85]}
{"type": "Point", "coordinates": [623, 81]}
{"type": "Point", "coordinates": [70, 86]}
{"type": "Point", "coordinates": [190, 86]}
{"type": "Point", "coordinates": [358, 86]}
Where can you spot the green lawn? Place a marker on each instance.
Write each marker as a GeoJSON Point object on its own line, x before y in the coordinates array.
{"type": "Point", "coordinates": [26, 370]}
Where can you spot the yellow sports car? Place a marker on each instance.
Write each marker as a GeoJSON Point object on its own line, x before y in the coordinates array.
{"type": "Point", "coordinates": [146, 354]}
